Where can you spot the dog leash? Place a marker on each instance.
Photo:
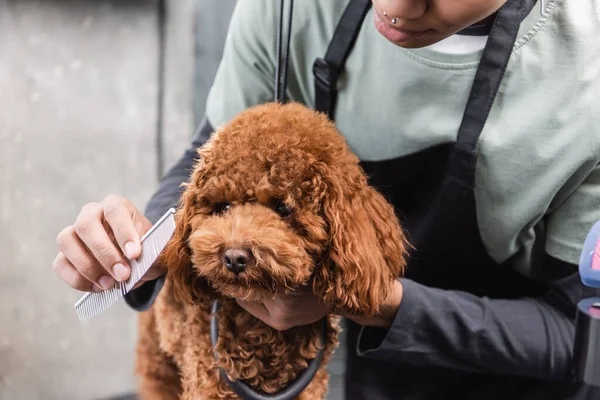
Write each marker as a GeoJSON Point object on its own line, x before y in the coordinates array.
{"type": "Point", "coordinates": [282, 59]}
{"type": "Point", "coordinates": [292, 390]}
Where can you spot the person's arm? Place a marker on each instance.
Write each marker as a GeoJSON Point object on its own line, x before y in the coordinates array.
{"type": "Point", "coordinates": [170, 188]}
{"type": "Point", "coordinates": [530, 337]}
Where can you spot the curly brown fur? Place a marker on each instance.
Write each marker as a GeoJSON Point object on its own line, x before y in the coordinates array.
{"type": "Point", "coordinates": [280, 182]}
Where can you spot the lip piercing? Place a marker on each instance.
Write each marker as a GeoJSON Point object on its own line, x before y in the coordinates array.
{"type": "Point", "coordinates": [394, 20]}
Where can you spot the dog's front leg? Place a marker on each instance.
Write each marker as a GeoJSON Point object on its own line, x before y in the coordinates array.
{"type": "Point", "coordinates": [159, 376]}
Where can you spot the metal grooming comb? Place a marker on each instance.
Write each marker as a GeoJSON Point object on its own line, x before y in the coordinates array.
{"type": "Point", "coordinates": [153, 243]}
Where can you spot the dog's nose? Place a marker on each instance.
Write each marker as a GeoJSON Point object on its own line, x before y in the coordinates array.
{"type": "Point", "coordinates": [236, 260]}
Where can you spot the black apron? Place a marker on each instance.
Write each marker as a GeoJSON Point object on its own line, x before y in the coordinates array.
{"type": "Point", "coordinates": [433, 193]}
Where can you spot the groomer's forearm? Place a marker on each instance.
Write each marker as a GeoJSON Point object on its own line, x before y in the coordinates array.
{"type": "Point", "coordinates": [167, 196]}
{"type": "Point", "coordinates": [526, 337]}
{"type": "Point", "coordinates": [170, 188]}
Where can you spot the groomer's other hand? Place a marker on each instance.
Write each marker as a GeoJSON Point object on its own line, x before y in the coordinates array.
{"type": "Point", "coordinates": [301, 307]}
{"type": "Point", "coordinates": [91, 250]}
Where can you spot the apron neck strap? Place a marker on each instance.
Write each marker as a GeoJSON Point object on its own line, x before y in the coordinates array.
{"type": "Point", "coordinates": [281, 68]}
{"type": "Point", "coordinates": [490, 72]}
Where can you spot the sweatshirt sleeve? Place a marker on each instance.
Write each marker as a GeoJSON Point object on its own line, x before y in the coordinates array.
{"type": "Point", "coordinates": [530, 337]}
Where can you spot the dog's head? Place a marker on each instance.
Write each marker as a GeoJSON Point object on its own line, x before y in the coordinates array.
{"type": "Point", "coordinates": [277, 201]}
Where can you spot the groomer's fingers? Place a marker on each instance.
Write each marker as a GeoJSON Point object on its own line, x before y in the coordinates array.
{"type": "Point", "coordinates": [256, 309]}
{"type": "Point", "coordinates": [76, 253]}
{"type": "Point", "coordinates": [269, 317]}
{"type": "Point", "coordinates": [67, 272]}
{"type": "Point", "coordinates": [127, 224]}
{"type": "Point", "coordinates": [89, 228]}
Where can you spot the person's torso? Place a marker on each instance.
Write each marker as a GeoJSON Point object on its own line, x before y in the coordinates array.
{"type": "Point", "coordinates": [405, 150]}
{"type": "Point", "coordinates": [531, 150]}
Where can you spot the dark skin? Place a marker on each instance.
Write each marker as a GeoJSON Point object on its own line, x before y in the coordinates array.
{"type": "Point", "coordinates": [90, 256]}
{"type": "Point", "coordinates": [429, 21]}
{"type": "Point", "coordinates": [303, 307]}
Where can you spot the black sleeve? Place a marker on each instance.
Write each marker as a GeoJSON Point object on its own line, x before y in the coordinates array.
{"type": "Point", "coordinates": [170, 188]}
{"type": "Point", "coordinates": [167, 196]}
{"type": "Point", "coordinates": [530, 337]}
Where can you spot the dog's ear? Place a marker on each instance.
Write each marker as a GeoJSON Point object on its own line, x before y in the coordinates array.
{"type": "Point", "coordinates": [188, 286]}
{"type": "Point", "coordinates": [367, 250]}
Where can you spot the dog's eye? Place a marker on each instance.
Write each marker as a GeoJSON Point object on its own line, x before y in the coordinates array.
{"type": "Point", "coordinates": [220, 208]}
{"type": "Point", "coordinates": [282, 209]}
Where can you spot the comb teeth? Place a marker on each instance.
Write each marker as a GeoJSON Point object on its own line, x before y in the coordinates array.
{"type": "Point", "coordinates": [161, 234]}
{"type": "Point", "coordinates": [93, 304]}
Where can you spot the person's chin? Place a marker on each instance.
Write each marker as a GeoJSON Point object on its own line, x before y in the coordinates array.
{"type": "Point", "coordinates": [418, 42]}
{"type": "Point", "coordinates": [408, 40]}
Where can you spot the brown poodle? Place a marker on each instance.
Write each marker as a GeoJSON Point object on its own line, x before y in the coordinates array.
{"type": "Point", "coordinates": [277, 201]}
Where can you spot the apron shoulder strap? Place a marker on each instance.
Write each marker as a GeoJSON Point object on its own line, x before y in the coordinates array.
{"type": "Point", "coordinates": [490, 72]}
{"type": "Point", "coordinates": [327, 70]}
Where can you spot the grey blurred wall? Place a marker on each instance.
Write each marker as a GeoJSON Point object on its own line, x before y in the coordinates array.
{"type": "Point", "coordinates": [79, 113]}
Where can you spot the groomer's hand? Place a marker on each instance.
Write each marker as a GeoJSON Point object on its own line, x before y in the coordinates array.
{"type": "Point", "coordinates": [91, 250]}
{"type": "Point", "coordinates": [283, 312]}
{"type": "Point", "coordinates": [302, 307]}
